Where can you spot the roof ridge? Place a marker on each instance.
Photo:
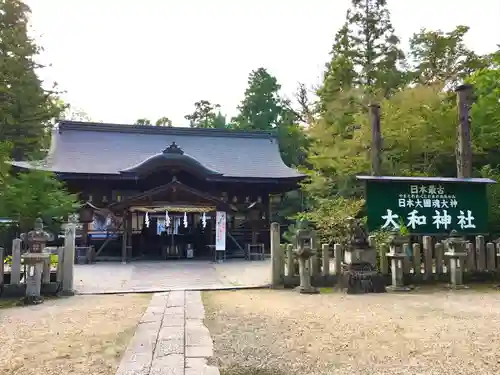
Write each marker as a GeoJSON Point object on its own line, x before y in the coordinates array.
{"type": "Point", "coordinates": [64, 125]}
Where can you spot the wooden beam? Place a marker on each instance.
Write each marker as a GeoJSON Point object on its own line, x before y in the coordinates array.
{"type": "Point", "coordinates": [463, 150]}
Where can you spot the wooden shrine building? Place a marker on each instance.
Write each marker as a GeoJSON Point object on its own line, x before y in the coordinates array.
{"type": "Point", "coordinates": [154, 191]}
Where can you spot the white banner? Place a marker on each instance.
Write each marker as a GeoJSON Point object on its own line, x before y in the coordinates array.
{"type": "Point", "coordinates": [220, 231]}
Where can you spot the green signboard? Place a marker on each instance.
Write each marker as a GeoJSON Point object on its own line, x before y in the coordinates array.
{"type": "Point", "coordinates": [427, 205]}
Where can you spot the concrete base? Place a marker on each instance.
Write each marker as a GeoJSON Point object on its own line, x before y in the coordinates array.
{"type": "Point", "coordinates": [457, 287]}
{"type": "Point", "coordinates": [33, 300]}
{"type": "Point", "coordinates": [311, 290]}
{"type": "Point", "coordinates": [403, 288]}
{"type": "Point", "coordinates": [67, 293]}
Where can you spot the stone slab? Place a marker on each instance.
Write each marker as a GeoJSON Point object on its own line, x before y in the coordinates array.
{"type": "Point", "coordinates": [168, 347]}
{"type": "Point", "coordinates": [168, 365]}
{"type": "Point", "coordinates": [199, 351]}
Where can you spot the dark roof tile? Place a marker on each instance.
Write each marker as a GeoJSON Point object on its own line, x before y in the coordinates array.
{"type": "Point", "coordinates": [93, 148]}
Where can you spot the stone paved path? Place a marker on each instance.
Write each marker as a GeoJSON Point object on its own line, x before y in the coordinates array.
{"type": "Point", "coordinates": [148, 276]}
{"type": "Point", "coordinates": [171, 338]}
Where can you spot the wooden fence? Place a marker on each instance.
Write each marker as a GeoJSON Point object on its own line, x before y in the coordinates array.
{"type": "Point", "coordinates": [13, 271]}
{"type": "Point", "coordinates": [425, 262]}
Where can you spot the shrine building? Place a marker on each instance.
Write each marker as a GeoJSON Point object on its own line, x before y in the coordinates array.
{"type": "Point", "coordinates": [155, 192]}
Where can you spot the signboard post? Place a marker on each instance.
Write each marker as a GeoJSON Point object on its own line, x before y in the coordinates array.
{"type": "Point", "coordinates": [427, 205]}
{"type": "Point", "coordinates": [220, 233]}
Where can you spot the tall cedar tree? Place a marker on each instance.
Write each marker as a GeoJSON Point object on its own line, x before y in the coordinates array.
{"type": "Point", "coordinates": [262, 108]}
{"type": "Point", "coordinates": [365, 54]}
{"type": "Point", "coordinates": [26, 108]}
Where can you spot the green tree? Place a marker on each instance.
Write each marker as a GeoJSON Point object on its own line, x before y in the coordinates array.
{"type": "Point", "coordinates": [26, 108]}
{"type": "Point", "coordinates": [143, 121]}
{"type": "Point", "coordinates": [442, 57]}
{"type": "Point", "coordinates": [164, 121]}
{"type": "Point", "coordinates": [366, 54]}
{"type": "Point", "coordinates": [261, 107]}
{"type": "Point", "coordinates": [35, 194]}
{"type": "Point", "coordinates": [204, 115]}
{"type": "Point", "coordinates": [219, 121]}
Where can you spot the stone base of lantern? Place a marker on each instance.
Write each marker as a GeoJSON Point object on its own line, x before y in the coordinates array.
{"type": "Point", "coordinates": [398, 288]}
{"type": "Point", "coordinates": [32, 300]}
{"type": "Point", "coordinates": [457, 287]}
{"type": "Point", "coordinates": [307, 290]}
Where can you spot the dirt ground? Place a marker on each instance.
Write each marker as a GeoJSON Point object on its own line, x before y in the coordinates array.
{"type": "Point", "coordinates": [78, 335]}
{"type": "Point", "coordinates": [265, 332]}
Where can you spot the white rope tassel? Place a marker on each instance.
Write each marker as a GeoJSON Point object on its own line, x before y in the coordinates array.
{"type": "Point", "coordinates": [146, 220]}
{"type": "Point", "coordinates": [167, 220]}
{"type": "Point", "coordinates": [204, 220]}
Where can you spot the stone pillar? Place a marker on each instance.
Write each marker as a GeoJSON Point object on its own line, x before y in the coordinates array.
{"type": "Point", "coordinates": [2, 253]}
{"type": "Point", "coordinates": [276, 257]}
{"type": "Point", "coordinates": [46, 271]}
{"type": "Point", "coordinates": [456, 253]}
{"type": "Point", "coordinates": [68, 259]}
{"type": "Point", "coordinates": [337, 253]}
{"type": "Point", "coordinates": [325, 250]}
{"type": "Point", "coordinates": [290, 262]}
{"type": "Point", "coordinates": [15, 272]}
{"type": "Point", "coordinates": [396, 256]}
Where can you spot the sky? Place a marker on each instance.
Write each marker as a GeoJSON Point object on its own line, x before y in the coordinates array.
{"type": "Point", "coordinates": [121, 60]}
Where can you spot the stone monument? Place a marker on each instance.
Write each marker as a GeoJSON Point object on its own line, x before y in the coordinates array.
{"type": "Point", "coordinates": [304, 251]}
{"type": "Point", "coordinates": [34, 260]}
{"type": "Point", "coordinates": [456, 252]}
{"type": "Point", "coordinates": [359, 271]}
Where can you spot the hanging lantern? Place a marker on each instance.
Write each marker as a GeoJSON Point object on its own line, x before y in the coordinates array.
{"type": "Point", "coordinates": [185, 221]}
{"type": "Point", "coordinates": [204, 220]}
{"type": "Point", "coordinates": [167, 220]}
{"type": "Point", "coordinates": [146, 220]}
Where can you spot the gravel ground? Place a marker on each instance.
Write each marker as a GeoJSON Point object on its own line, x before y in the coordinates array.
{"type": "Point", "coordinates": [265, 332]}
{"type": "Point", "coordinates": [81, 335]}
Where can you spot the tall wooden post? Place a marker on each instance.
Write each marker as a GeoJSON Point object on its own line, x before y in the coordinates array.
{"type": "Point", "coordinates": [124, 238]}
{"type": "Point", "coordinates": [376, 144]}
{"type": "Point", "coordinates": [463, 149]}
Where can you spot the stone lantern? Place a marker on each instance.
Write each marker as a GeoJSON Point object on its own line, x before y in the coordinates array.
{"type": "Point", "coordinates": [34, 260]}
{"type": "Point", "coordinates": [456, 252]}
{"type": "Point", "coordinates": [396, 255]}
{"type": "Point", "coordinates": [304, 252]}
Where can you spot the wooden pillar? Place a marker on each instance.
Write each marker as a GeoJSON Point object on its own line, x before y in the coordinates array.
{"type": "Point", "coordinates": [376, 139]}
{"type": "Point", "coordinates": [124, 238]}
{"type": "Point", "coordinates": [129, 235]}
{"type": "Point", "coordinates": [463, 150]}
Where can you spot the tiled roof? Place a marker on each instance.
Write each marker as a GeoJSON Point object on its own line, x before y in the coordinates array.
{"type": "Point", "coordinates": [95, 148]}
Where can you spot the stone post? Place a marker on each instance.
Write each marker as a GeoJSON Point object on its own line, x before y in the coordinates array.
{"type": "Point", "coordinates": [276, 257]}
{"type": "Point", "coordinates": [1, 266]}
{"type": "Point", "coordinates": [325, 250]}
{"type": "Point", "coordinates": [337, 253]}
{"type": "Point", "coordinates": [290, 263]}
{"type": "Point", "coordinates": [397, 256]}
{"type": "Point", "coordinates": [456, 253]}
{"type": "Point", "coordinates": [15, 271]}
{"type": "Point", "coordinates": [304, 253]}
{"type": "Point", "coordinates": [68, 262]}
